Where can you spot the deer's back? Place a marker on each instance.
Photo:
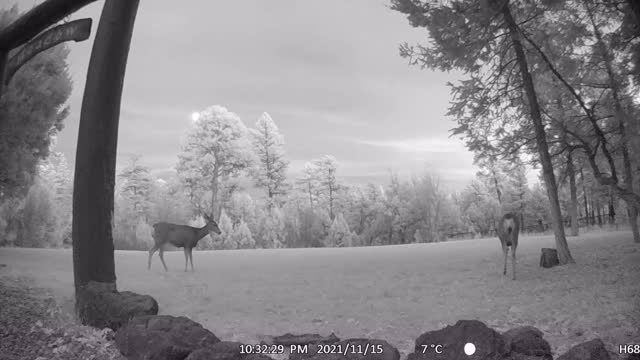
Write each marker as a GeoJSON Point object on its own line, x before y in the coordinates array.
{"type": "Point", "coordinates": [176, 235]}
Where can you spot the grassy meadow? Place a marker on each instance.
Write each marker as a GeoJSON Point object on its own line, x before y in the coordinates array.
{"type": "Point", "coordinates": [393, 292]}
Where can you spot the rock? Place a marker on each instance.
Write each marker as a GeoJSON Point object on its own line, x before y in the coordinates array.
{"type": "Point", "coordinates": [326, 357]}
{"type": "Point", "coordinates": [590, 350]}
{"type": "Point", "coordinates": [634, 357]}
{"type": "Point", "coordinates": [102, 306]}
{"type": "Point", "coordinates": [303, 339]}
{"type": "Point", "coordinates": [527, 340]}
{"type": "Point", "coordinates": [224, 350]}
{"type": "Point", "coordinates": [489, 344]}
{"type": "Point", "coordinates": [376, 349]}
{"type": "Point", "coordinates": [256, 357]}
{"type": "Point", "coordinates": [166, 337]}
{"type": "Point", "coordinates": [518, 356]}
{"type": "Point", "coordinates": [549, 258]}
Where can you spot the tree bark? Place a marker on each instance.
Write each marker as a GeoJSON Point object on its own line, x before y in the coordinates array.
{"type": "Point", "coordinates": [584, 196]}
{"type": "Point", "coordinates": [215, 213]}
{"type": "Point", "coordinates": [573, 208]}
{"type": "Point", "coordinates": [564, 255]}
{"type": "Point", "coordinates": [93, 257]}
{"type": "Point", "coordinates": [612, 211]}
{"type": "Point", "coordinates": [4, 57]}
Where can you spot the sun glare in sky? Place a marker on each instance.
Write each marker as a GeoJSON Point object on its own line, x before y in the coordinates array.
{"type": "Point", "coordinates": [195, 116]}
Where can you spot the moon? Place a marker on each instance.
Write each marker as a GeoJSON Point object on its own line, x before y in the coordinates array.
{"type": "Point", "coordinates": [195, 116]}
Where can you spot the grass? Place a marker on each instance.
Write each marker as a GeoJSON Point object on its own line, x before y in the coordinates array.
{"type": "Point", "coordinates": [393, 293]}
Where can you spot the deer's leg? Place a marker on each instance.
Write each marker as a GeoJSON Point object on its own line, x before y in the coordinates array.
{"type": "Point", "coordinates": [151, 252]}
{"type": "Point", "coordinates": [191, 258]}
{"type": "Point", "coordinates": [513, 261]}
{"type": "Point", "coordinates": [161, 253]}
{"type": "Point", "coordinates": [505, 251]}
{"type": "Point", "coordinates": [186, 258]}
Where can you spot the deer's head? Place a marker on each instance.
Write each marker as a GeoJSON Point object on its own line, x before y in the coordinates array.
{"type": "Point", "coordinates": [212, 226]}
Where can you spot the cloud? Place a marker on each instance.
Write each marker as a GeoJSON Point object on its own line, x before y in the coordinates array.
{"type": "Point", "coordinates": [418, 145]}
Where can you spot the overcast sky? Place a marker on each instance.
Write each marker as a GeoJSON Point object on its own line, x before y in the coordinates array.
{"type": "Point", "coordinates": [328, 72]}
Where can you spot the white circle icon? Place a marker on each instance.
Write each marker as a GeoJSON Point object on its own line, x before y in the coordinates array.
{"type": "Point", "coordinates": [469, 349]}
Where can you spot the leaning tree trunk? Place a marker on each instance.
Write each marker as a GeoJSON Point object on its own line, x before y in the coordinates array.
{"type": "Point", "coordinates": [93, 257]}
{"type": "Point", "coordinates": [573, 208]}
{"type": "Point", "coordinates": [564, 255]}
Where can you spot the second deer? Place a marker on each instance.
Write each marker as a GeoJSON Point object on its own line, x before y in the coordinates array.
{"type": "Point", "coordinates": [508, 231]}
{"type": "Point", "coordinates": [181, 236]}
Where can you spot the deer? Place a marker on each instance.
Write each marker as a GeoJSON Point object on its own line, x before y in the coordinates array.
{"type": "Point", "coordinates": [181, 236]}
{"type": "Point", "coordinates": [508, 231]}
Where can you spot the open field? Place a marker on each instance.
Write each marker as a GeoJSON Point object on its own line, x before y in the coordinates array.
{"type": "Point", "coordinates": [393, 293]}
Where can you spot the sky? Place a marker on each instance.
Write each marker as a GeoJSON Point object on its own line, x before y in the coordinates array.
{"type": "Point", "coordinates": [328, 72]}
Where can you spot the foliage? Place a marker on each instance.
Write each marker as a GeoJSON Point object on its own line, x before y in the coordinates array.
{"type": "Point", "coordinates": [272, 230]}
{"type": "Point", "coordinates": [268, 144]}
{"type": "Point", "coordinates": [214, 149]}
{"type": "Point", "coordinates": [226, 232]}
{"type": "Point", "coordinates": [132, 208]}
{"type": "Point", "coordinates": [242, 237]}
{"type": "Point", "coordinates": [38, 219]}
{"type": "Point", "coordinates": [32, 110]}
{"type": "Point", "coordinates": [135, 187]}
{"type": "Point", "coordinates": [324, 170]}
{"type": "Point", "coordinates": [339, 233]}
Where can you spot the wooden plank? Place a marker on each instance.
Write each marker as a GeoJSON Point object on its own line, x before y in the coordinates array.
{"type": "Point", "coordinates": [77, 30]}
{"type": "Point", "coordinates": [36, 20]}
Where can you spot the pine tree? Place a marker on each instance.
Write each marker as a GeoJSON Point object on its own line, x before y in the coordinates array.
{"type": "Point", "coordinates": [339, 233]}
{"type": "Point", "coordinates": [242, 236]}
{"type": "Point", "coordinates": [135, 187]}
{"type": "Point", "coordinates": [273, 229]}
{"type": "Point", "coordinates": [271, 168]}
{"type": "Point", "coordinates": [226, 232]}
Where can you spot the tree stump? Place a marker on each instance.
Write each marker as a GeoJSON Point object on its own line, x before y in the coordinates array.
{"type": "Point", "coordinates": [549, 258]}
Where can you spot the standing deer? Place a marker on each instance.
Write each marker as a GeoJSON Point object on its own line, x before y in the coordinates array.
{"type": "Point", "coordinates": [181, 236]}
{"type": "Point", "coordinates": [508, 231]}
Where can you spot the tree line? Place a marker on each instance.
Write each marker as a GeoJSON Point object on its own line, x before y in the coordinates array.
{"type": "Point", "coordinates": [550, 84]}
{"type": "Point", "coordinates": [315, 209]}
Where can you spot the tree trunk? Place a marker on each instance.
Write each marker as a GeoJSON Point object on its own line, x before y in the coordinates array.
{"type": "Point", "coordinates": [584, 196]}
{"type": "Point", "coordinates": [331, 202]}
{"type": "Point", "coordinates": [573, 208]}
{"type": "Point", "coordinates": [612, 211]}
{"type": "Point", "coordinates": [215, 214]}
{"type": "Point", "coordinates": [4, 57]}
{"type": "Point", "coordinates": [564, 255]}
{"type": "Point", "coordinates": [93, 258]}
